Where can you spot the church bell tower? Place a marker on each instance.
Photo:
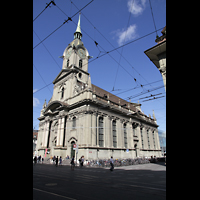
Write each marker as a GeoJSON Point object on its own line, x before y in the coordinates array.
{"type": "Point", "coordinates": [74, 76]}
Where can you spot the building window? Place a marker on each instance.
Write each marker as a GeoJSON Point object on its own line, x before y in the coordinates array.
{"type": "Point", "coordinates": [73, 122]}
{"type": "Point", "coordinates": [62, 93]}
{"type": "Point", "coordinates": [134, 131]}
{"type": "Point", "coordinates": [125, 136]}
{"type": "Point", "coordinates": [114, 134]}
{"type": "Point", "coordinates": [148, 139]}
{"type": "Point", "coordinates": [142, 138]}
{"type": "Point", "coordinates": [80, 64]}
{"type": "Point", "coordinates": [101, 131]}
{"type": "Point", "coordinates": [68, 63]}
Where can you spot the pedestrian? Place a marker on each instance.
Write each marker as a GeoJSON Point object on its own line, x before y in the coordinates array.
{"type": "Point", "coordinates": [82, 161]}
{"type": "Point", "coordinates": [57, 161]}
{"type": "Point", "coordinates": [60, 160]}
{"type": "Point", "coordinates": [39, 158]}
{"type": "Point", "coordinates": [111, 164]}
{"type": "Point", "coordinates": [72, 163]}
{"type": "Point", "coordinates": [54, 158]}
{"type": "Point", "coordinates": [35, 160]}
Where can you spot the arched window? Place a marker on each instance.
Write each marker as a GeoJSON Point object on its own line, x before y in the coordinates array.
{"type": "Point", "coordinates": [125, 136]}
{"type": "Point", "coordinates": [62, 93]}
{"type": "Point", "coordinates": [101, 141]}
{"type": "Point", "coordinates": [80, 63]}
{"type": "Point", "coordinates": [73, 122]}
{"type": "Point", "coordinates": [114, 134]}
{"type": "Point", "coordinates": [68, 63]}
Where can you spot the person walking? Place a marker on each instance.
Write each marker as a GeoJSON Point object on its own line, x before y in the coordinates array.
{"type": "Point", "coordinates": [82, 161]}
{"type": "Point", "coordinates": [56, 161]}
{"type": "Point", "coordinates": [54, 158]}
{"type": "Point", "coordinates": [35, 160]}
{"type": "Point", "coordinates": [111, 164]}
{"type": "Point", "coordinates": [72, 163]}
{"type": "Point", "coordinates": [60, 160]}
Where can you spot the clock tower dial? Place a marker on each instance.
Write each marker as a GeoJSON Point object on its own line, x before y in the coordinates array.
{"type": "Point", "coordinates": [81, 53]}
{"type": "Point", "coordinates": [68, 52]}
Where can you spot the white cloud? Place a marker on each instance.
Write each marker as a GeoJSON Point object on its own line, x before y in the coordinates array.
{"type": "Point", "coordinates": [126, 35]}
{"type": "Point", "coordinates": [136, 7]}
{"type": "Point", "coordinates": [35, 100]}
{"type": "Point", "coordinates": [35, 90]}
{"type": "Point", "coordinates": [162, 133]}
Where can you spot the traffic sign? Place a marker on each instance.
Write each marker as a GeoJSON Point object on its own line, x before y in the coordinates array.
{"type": "Point", "coordinates": [74, 147]}
{"type": "Point", "coordinates": [127, 150]}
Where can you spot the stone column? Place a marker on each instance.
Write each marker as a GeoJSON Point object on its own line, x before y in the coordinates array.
{"type": "Point", "coordinates": [93, 128]}
{"type": "Point", "coordinates": [46, 131]}
{"type": "Point", "coordinates": [145, 137]}
{"type": "Point", "coordinates": [110, 136]}
{"type": "Point", "coordinates": [130, 136]}
{"type": "Point", "coordinates": [157, 139]}
{"type": "Point", "coordinates": [141, 135]}
{"type": "Point", "coordinates": [59, 130]}
{"type": "Point", "coordinates": [151, 138]}
{"type": "Point", "coordinates": [121, 133]}
{"type": "Point", "coordinates": [62, 130]}
{"type": "Point", "coordinates": [107, 131]}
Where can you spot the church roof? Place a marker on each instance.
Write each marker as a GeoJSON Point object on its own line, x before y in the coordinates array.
{"type": "Point", "coordinates": [105, 96]}
{"type": "Point", "coordinates": [113, 98]}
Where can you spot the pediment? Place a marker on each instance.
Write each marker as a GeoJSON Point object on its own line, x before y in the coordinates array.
{"type": "Point", "coordinates": [62, 74]}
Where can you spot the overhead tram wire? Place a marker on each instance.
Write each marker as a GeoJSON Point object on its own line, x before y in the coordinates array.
{"type": "Point", "coordinates": [42, 78]}
{"type": "Point", "coordinates": [47, 50]}
{"type": "Point", "coordinates": [45, 8]}
{"type": "Point", "coordinates": [111, 50]}
{"type": "Point", "coordinates": [108, 53]}
{"type": "Point", "coordinates": [112, 46]}
{"type": "Point", "coordinates": [69, 18]}
{"type": "Point", "coordinates": [98, 47]}
{"type": "Point", "coordinates": [122, 47]}
{"type": "Point", "coordinates": [107, 41]}
{"type": "Point", "coordinates": [153, 17]}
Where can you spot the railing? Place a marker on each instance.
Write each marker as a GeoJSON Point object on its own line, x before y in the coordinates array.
{"type": "Point", "coordinates": [117, 162]}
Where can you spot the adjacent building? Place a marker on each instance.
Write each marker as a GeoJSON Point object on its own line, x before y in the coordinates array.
{"type": "Point", "coordinates": [100, 123]}
{"type": "Point", "coordinates": [157, 54]}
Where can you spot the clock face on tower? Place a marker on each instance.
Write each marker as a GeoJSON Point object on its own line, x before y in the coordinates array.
{"type": "Point", "coordinates": [81, 53]}
{"type": "Point", "coordinates": [68, 52]}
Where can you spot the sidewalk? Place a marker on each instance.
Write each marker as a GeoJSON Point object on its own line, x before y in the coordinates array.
{"type": "Point", "coordinates": [148, 166]}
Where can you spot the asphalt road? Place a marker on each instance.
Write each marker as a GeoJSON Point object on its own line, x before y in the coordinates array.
{"type": "Point", "coordinates": [146, 181]}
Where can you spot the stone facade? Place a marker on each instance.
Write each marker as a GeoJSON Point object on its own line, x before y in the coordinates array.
{"type": "Point", "coordinates": [101, 123]}
{"type": "Point", "coordinates": [157, 54]}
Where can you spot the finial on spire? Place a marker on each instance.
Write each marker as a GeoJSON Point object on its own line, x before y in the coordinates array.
{"type": "Point", "coordinates": [154, 116]}
{"type": "Point", "coordinates": [78, 33]}
{"type": "Point", "coordinates": [45, 104]}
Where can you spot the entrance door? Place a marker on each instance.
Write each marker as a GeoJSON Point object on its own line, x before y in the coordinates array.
{"type": "Point", "coordinates": [72, 151]}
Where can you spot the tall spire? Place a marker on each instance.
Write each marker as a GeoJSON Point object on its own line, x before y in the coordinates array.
{"type": "Point", "coordinates": [78, 33]}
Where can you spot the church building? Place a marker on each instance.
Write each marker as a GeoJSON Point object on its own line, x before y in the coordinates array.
{"type": "Point", "coordinates": [100, 123]}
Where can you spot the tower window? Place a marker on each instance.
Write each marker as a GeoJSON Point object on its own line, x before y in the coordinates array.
{"type": "Point", "coordinates": [80, 64]}
{"type": "Point", "coordinates": [74, 123]}
{"type": "Point", "coordinates": [68, 63]}
{"type": "Point", "coordinates": [62, 93]}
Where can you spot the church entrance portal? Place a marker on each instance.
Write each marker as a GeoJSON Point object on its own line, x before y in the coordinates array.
{"type": "Point", "coordinates": [72, 151]}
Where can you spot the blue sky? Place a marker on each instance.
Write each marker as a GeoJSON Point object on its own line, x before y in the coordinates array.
{"type": "Point", "coordinates": [119, 21]}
